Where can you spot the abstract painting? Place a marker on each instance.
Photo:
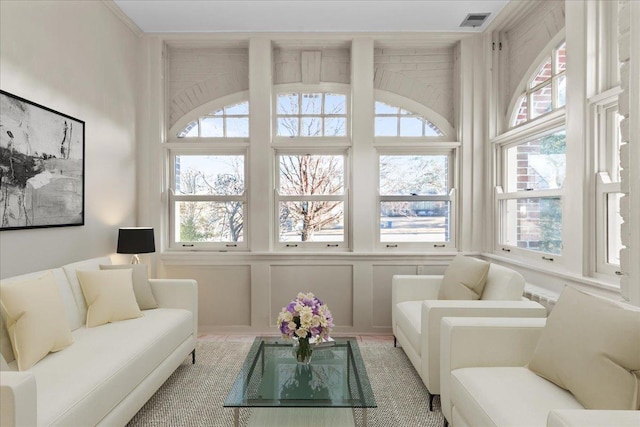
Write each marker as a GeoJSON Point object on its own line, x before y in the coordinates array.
{"type": "Point", "coordinates": [41, 166]}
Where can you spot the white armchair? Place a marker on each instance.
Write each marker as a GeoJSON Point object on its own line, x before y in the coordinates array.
{"type": "Point", "coordinates": [417, 313]}
{"type": "Point", "coordinates": [500, 371]}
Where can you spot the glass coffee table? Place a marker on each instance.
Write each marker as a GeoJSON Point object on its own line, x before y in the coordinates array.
{"type": "Point", "coordinates": [328, 391]}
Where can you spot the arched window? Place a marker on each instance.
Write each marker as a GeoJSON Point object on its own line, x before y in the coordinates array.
{"type": "Point", "coordinates": [391, 120]}
{"type": "Point", "coordinates": [545, 91]}
{"type": "Point", "coordinates": [207, 196]}
{"type": "Point", "coordinates": [230, 121]}
{"type": "Point", "coordinates": [311, 114]}
{"type": "Point", "coordinates": [416, 190]}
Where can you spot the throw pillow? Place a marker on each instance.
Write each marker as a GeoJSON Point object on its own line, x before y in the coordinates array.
{"type": "Point", "coordinates": [36, 320]}
{"type": "Point", "coordinates": [464, 279]}
{"type": "Point", "coordinates": [591, 347]}
{"type": "Point", "coordinates": [109, 296]}
{"type": "Point", "coordinates": [141, 286]}
{"type": "Point", "coordinates": [5, 343]}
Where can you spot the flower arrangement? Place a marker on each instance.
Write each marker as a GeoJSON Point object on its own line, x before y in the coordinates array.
{"type": "Point", "coordinates": [305, 317]}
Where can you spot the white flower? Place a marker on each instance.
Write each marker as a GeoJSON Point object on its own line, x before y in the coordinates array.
{"type": "Point", "coordinates": [302, 332]}
{"type": "Point", "coordinates": [306, 315]}
{"type": "Point", "coordinates": [316, 321]}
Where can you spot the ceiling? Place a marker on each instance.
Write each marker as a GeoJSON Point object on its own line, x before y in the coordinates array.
{"type": "Point", "coordinates": [211, 16]}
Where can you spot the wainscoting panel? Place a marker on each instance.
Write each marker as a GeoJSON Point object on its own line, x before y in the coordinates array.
{"type": "Point", "coordinates": [333, 284]}
{"type": "Point", "coordinates": [224, 293]}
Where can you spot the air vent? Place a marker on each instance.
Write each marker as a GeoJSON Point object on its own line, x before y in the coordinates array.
{"type": "Point", "coordinates": [475, 19]}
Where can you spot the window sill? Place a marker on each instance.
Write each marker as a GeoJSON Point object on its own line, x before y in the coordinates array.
{"type": "Point", "coordinates": [601, 285]}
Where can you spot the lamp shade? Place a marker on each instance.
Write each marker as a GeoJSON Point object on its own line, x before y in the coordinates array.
{"type": "Point", "coordinates": [136, 240]}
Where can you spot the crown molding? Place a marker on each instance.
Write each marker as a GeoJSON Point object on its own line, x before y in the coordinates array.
{"type": "Point", "coordinates": [113, 7]}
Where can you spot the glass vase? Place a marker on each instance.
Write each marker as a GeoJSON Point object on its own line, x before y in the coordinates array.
{"type": "Point", "coordinates": [302, 350]}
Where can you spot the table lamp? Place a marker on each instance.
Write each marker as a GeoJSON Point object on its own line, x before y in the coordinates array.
{"type": "Point", "coordinates": [136, 240]}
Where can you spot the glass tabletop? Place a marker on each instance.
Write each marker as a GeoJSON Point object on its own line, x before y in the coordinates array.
{"type": "Point", "coordinates": [271, 377]}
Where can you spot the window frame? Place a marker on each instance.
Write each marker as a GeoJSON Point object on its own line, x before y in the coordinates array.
{"type": "Point", "coordinates": [398, 116]}
{"type": "Point", "coordinates": [451, 151]}
{"type": "Point", "coordinates": [173, 199]}
{"type": "Point", "coordinates": [345, 245]}
{"type": "Point", "coordinates": [606, 146]}
{"type": "Point", "coordinates": [224, 117]}
{"type": "Point", "coordinates": [427, 113]}
{"type": "Point", "coordinates": [424, 145]}
{"type": "Point", "coordinates": [527, 91]}
{"type": "Point", "coordinates": [204, 110]}
{"type": "Point", "coordinates": [552, 125]}
{"type": "Point", "coordinates": [324, 88]}
{"type": "Point", "coordinates": [211, 146]}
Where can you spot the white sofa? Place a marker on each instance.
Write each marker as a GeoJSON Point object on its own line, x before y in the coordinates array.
{"type": "Point", "coordinates": [487, 377]}
{"type": "Point", "coordinates": [417, 313]}
{"type": "Point", "coordinates": [110, 371]}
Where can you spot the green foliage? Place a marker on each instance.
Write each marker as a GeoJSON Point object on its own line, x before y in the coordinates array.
{"type": "Point", "coordinates": [551, 226]}
{"type": "Point", "coordinates": [554, 144]}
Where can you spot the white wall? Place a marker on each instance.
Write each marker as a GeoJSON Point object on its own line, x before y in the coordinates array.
{"type": "Point", "coordinates": [78, 58]}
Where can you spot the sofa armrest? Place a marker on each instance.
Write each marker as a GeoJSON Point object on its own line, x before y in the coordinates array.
{"type": "Point", "coordinates": [593, 418]}
{"type": "Point", "coordinates": [484, 341]}
{"type": "Point", "coordinates": [406, 287]}
{"type": "Point", "coordinates": [17, 399]}
{"type": "Point", "coordinates": [177, 293]}
{"type": "Point", "coordinates": [434, 311]}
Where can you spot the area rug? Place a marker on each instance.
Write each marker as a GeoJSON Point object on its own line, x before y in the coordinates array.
{"type": "Point", "coordinates": [194, 394]}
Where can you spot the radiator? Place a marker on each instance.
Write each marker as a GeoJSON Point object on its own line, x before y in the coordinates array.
{"type": "Point", "coordinates": [540, 295]}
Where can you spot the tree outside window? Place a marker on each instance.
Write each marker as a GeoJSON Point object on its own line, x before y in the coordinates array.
{"type": "Point", "coordinates": [311, 197]}
{"type": "Point", "coordinates": [209, 197]}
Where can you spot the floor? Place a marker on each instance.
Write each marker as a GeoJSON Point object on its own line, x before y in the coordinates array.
{"type": "Point", "coordinates": [250, 338]}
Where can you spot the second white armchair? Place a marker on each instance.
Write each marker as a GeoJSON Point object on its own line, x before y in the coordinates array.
{"type": "Point", "coordinates": [418, 308]}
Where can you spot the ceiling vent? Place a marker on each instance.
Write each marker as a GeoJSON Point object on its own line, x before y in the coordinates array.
{"type": "Point", "coordinates": [475, 19]}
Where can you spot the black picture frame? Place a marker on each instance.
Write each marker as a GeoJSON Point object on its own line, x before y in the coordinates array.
{"type": "Point", "coordinates": [42, 162]}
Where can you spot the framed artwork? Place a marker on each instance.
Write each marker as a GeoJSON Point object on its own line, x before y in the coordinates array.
{"type": "Point", "coordinates": [41, 166]}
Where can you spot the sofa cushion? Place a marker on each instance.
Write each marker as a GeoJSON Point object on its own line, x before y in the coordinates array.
{"type": "Point", "coordinates": [506, 396]}
{"type": "Point", "coordinates": [409, 319]}
{"type": "Point", "coordinates": [105, 364]}
{"type": "Point", "coordinates": [74, 284]}
{"type": "Point", "coordinates": [464, 279]}
{"type": "Point", "coordinates": [36, 319]}
{"type": "Point", "coordinates": [109, 296]}
{"type": "Point", "coordinates": [141, 286]}
{"type": "Point", "coordinates": [590, 347]}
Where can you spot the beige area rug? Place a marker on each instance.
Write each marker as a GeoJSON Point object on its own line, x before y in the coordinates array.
{"type": "Point", "coordinates": [194, 394]}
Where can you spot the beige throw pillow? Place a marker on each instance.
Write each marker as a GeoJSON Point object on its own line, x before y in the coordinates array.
{"type": "Point", "coordinates": [141, 286]}
{"type": "Point", "coordinates": [591, 347]}
{"type": "Point", "coordinates": [464, 279]}
{"type": "Point", "coordinates": [5, 343]}
{"type": "Point", "coordinates": [36, 320]}
{"type": "Point", "coordinates": [109, 296]}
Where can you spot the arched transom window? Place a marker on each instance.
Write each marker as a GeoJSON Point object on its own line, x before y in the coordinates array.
{"type": "Point", "coordinates": [391, 120]}
{"type": "Point", "coordinates": [546, 90]}
{"type": "Point", "coordinates": [230, 121]}
{"type": "Point", "coordinates": [311, 114]}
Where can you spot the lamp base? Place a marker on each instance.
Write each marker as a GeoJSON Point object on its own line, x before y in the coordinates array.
{"type": "Point", "coordinates": [135, 259]}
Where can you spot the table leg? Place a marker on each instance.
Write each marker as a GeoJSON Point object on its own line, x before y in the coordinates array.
{"type": "Point", "coordinates": [236, 417]}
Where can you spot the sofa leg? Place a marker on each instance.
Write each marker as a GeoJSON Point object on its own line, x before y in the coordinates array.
{"type": "Point", "coordinates": [193, 357]}
{"type": "Point", "coordinates": [395, 342]}
{"type": "Point", "coordinates": [430, 401]}
{"type": "Point", "coordinates": [445, 423]}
